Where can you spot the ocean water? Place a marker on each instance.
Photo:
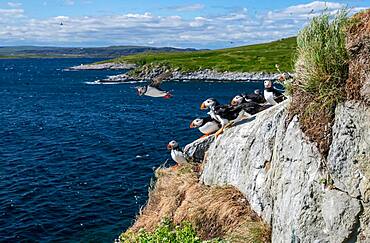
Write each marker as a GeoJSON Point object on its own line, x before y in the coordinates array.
{"type": "Point", "coordinates": [76, 159]}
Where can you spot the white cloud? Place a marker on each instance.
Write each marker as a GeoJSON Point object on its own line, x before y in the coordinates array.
{"type": "Point", "coordinates": [15, 12]}
{"type": "Point", "coordinates": [237, 27]}
{"type": "Point", "coordinates": [188, 8]}
{"type": "Point", "coordinates": [304, 11]}
{"type": "Point", "coordinates": [69, 2]}
{"type": "Point", "coordinates": [14, 4]}
{"type": "Point", "coordinates": [198, 22]}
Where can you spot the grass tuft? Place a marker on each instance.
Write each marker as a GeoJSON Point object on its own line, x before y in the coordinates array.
{"type": "Point", "coordinates": [321, 70]}
{"type": "Point", "coordinates": [166, 232]}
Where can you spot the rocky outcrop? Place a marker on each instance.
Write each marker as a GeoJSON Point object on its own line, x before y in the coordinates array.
{"type": "Point", "coordinates": [197, 149]}
{"type": "Point", "coordinates": [224, 76]}
{"type": "Point", "coordinates": [104, 66]}
{"type": "Point", "coordinates": [198, 75]}
{"type": "Point", "coordinates": [300, 194]}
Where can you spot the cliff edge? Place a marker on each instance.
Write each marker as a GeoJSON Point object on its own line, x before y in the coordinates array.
{"type": "Point", "coordinates": [288, 182]}
{"type": "Point", "coordinates": [297, 187]}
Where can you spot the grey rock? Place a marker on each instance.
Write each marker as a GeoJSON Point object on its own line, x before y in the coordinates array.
{"type": "Point", "coordinates": [340, 213]}
{"type": "Point", "coordinates": [273, 164]}
{"type": "Point", "coordinates": [209, 75]}
{"type": "Point", "coordinates": [349, 154]}
{"type": "Point", "coordinates": [197, 149]}
{"type": "Point", "coordinates": [102, 66]}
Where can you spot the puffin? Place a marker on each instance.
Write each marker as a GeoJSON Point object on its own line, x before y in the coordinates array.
{"type": "Point", "coordinates": [250, 107]}
{"type": "Point", "coordinates": [206, 125]}
{"type": "Point", "coordinates": [176, 153]}
{"type": "Point", "coordinates": [153, 89]}
{"type": "Point", "coordinates": [227, 115]}
{"type": "Point", "coordinates": [256, 97]}
{"type": "Point", "coordinates": [271, 94]}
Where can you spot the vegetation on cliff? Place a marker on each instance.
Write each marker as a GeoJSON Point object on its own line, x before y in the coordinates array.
{"type": "Point", "coordinates": [321, 71]}
{"type": "Point", "coordinates": [358, 46]}
{"type": "Point", "coordinates": [331, 64]}
{"type": "Point", "coordinates": [331, 67]}
{"type": "Point", "coordinates": [252, 58]}
{"type": "Point", "coordinates": [213, 212]}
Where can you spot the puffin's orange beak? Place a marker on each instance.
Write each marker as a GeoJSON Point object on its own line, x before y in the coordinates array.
{"type": "Point", "coordinates": [233, 102]}
{"type": "Point", "coordinates": [203, 106]}
{"type": "Point", "coordinates": [169, 147]}
{"type": "Point", "coordinates": [191, 125]}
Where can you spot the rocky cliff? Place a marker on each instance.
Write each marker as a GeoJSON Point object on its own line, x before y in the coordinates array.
{"type": "Point", "coordinates": [300, 194]}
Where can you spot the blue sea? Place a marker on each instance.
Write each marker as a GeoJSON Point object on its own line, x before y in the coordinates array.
{"type": "Point", "coordinates": [76, 159]}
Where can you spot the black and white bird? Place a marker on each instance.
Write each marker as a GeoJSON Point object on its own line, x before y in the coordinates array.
{"type": "Point", "coordinates": [248, 106]}
{"type": "Point", "coordinates": [256, 97]}
{"type": "Point", "coordinates": [271, 94]}
{"type": "Point", "coordinates": [206, 125]}
{"type": "Point", "coordinates": [226, 114]}
{"type": "Point", "coordinates": [153, 89]}
{"type": "Point", "coordinates": [176, 153]}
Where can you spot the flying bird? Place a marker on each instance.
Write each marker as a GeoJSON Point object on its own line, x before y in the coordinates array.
{"type": "Point", "coordinates": [153, 89]}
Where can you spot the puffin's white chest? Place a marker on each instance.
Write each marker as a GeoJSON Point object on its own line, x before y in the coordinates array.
{"type": "Point", "coordinates": [154, 92]}
{"type": "Point", "coordinates": [212, 114]}
{"type": "Point", "coordinates": [178, 156]}
{"type": "Point", "coordinates": [269, 97]}
{"type": "Point", "coordinates": [209, 127]}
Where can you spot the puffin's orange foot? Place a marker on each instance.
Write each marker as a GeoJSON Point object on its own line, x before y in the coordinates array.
{"type": "Point", "coordinates": [219, 132]}
{"type": "Point", "coordinates": [230, 124]}
{"type": "Point", "coordinates": [205, 135]}
{"type": "Point", "coordinates": [168, 96]}
{"type": "Point", "coordinates": [175, 167]}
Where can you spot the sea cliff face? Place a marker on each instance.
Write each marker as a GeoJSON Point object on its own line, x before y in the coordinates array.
{"type": "Point", "coordinates": [300, 194]}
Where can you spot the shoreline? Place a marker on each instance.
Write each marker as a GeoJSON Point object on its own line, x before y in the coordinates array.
{"type": "Point", "coordinates": [198, 75]}
{"type": "Point", "coordinates": [103, 66]}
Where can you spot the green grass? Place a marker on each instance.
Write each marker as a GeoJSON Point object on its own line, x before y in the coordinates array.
{"type": "Point", "coordinates": [252, 58]}
{"type": "Point", "coordinates": [321, 71]}
{"type": "Point", "coordinates": [165, 233]}
{"type": "Point", "coordinates": [322, 60]}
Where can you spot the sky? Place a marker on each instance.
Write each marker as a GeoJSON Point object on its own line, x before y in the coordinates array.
{"type": "Point", "coordinates": [208, 24]}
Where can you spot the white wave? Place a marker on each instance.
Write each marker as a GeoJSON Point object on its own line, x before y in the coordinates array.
{"type": "Point", "coordinates": [113, 82]}
{"type": "Point", "coordinates": [142, 156]}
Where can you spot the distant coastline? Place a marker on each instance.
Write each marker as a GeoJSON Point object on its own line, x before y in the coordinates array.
{"type": "Point", "coordinates": [104, 66]}
{"type": "Point", "coordinates": [198, 75]}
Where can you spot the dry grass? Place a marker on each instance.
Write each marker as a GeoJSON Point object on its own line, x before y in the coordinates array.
{"type": "Point", "coordinates": [213, 211]}
{"type": "Point", "coordinates": [315, 118]}
{"type": "Point", "coordinates": [358, 45]}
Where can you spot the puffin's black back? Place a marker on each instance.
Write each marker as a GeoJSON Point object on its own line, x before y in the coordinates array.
{"type": "Point", "coordinates": [229, 112]}
{"type": "Point", "coordinates": [258, 98]}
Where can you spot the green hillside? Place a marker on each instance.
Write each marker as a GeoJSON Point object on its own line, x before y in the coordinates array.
{"type": "Point", "coordinates": [252, 58]}
{"type": "Point", "coordinates": [76, 52]}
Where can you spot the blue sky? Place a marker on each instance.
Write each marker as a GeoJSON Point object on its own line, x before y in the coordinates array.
{"type": "Point", "coordinates": [199, 24]}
